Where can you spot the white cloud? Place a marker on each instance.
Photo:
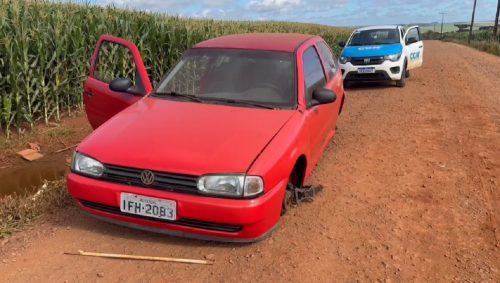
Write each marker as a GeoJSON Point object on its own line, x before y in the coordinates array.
{"type": "Point", "coordinates": [272, 5]}
{"type": "Point", "coordinates": [210, 14]}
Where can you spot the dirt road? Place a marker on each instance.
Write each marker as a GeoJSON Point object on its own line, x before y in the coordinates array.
{"type": "Point", "coordinates": [412, 194]}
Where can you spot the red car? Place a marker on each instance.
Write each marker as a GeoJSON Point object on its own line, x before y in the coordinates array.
{"type": "Point", "coordinates": [211, 151]}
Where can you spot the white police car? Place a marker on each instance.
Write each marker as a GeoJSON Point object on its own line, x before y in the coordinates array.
{"type": "Point", "coordinates": [382, 53]}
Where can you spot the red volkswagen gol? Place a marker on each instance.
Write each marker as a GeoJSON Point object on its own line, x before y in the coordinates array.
{"type": "Point", "coordinates": [211, 151]}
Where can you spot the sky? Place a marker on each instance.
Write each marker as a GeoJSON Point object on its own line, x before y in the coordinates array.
{"type": "Point", "coordinates": [328, 12]}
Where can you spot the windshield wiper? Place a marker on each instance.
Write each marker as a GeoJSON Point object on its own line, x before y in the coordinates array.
{"type": "Point", "coordinates": [241, 102]}
{"type": "Point", "coordinates": [176, 94]}
{"type": "Point", "coordinates": [208, 99]}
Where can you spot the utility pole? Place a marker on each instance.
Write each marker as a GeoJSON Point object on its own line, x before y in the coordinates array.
{"type": "Point", "coordinates": [495, 29]}
{"type": "Point", "coordinates": [472, 21]}
{"type": "Point", "coordinates": [442, 22]}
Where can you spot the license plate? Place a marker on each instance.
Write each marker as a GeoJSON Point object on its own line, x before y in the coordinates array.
{"type": "Point", "coordinates": [148, 206]}
{"type": "Point", "coordinates": [370, 70]}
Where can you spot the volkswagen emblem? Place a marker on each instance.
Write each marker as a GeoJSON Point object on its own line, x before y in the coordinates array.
{"type": "Point", "coordinates": [367, 60]}
{"type": "Point", "coordinates": [147, 177]}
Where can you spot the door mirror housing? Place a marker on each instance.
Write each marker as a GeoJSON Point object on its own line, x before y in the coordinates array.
{"type": "Point", "coordinates": [342, 44]}
{"type": "Point", "coordinates": [124, 85]}
{"type": "Point", "coordinates": [323, 96]}
{"type": "Point", "coordinates": [411, 40]}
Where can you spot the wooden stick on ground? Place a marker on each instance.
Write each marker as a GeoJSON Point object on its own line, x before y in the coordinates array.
{"type": "Point", "coordinates": [66, 148]}
{"type": "Point", "coordinates": [138, 257]}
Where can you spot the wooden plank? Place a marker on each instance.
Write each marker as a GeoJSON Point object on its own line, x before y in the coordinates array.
{"type": "Point", "coordinates": [30, 154]}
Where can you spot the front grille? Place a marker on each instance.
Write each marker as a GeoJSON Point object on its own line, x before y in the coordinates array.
{"type": "Point", "coordinates": [377, 76]}
{"type": "Point", "coordinates": [369, 61]}
{"type": "Point", "coordinates": [162, 181]}
{"type": "Point", "coordinates": [182, 222]}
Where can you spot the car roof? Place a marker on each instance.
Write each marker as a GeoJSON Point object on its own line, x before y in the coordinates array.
{"type": "Point", "coordinates": [378, 27]}
{"type": "Point", "coordinates": [286, 42]}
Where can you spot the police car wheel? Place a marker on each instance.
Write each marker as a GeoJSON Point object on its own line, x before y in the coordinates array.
{"type": "Point", "coordinates": [401, 82]}
{"type": "Point", "coordinates": [407, 73]}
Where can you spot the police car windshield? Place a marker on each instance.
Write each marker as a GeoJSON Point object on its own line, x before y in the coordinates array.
{"type": "Point", "coordinates": [374, 37]}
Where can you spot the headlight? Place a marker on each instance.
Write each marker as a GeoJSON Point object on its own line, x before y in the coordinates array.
{"type": "Point", "coordinates": [344, 60]}
{"type": "Point", "coordinates": [238, 185]}
{"type": "Point", "coordinates": [393, 58]}
{"type": "Point", "coordinates": [86, 166]}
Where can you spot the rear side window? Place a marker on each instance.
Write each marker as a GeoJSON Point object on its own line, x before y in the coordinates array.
{"type": "Point", "coordinates": [326, 53]}
{"type": "Point", "coordinates": [314, 77]}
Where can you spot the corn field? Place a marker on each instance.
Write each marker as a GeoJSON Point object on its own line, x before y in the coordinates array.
{"type": "Point", "coordinates": [45, 50]}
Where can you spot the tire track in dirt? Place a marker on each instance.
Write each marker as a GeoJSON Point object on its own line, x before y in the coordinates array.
{"type": "Point", "coordinates": [411, 194]}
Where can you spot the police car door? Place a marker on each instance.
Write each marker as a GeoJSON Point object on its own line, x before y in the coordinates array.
{"type": "Point", "coordinates": [414, 47]}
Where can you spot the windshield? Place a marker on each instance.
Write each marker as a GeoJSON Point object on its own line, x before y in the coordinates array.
{"type": "Point", "coordinates": [246, 77]}
{"type": "Point", "coordinates": [374, 37]}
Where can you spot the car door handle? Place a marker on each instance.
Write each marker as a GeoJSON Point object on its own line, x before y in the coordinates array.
{"type": "Point", "coordinates": [88, 93]}
{"type": "Point", "coordinates": [421, 46]}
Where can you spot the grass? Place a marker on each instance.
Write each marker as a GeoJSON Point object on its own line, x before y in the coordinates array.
{"type": "Point", "coordinates": [45, 49]}
{"type": "Point", "coordinates": [61, 132]}
{"type": "Point", "coordinates": [481, 40]}
{"type": "Point", "coordinates": [490, 47]}
{"type": "Point", "coordinates": [17, 211]}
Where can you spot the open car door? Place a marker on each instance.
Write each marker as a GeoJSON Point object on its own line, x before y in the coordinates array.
{"type": "Point", "coordinates": [414, 47]}
{"type": "Point", "coordinates": [113, 58]}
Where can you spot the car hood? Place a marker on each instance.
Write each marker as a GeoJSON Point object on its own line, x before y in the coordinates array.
{"type": "Point", "coordinates": [372, 50]}
{"type": "Point", "coordinates": [185, 137]}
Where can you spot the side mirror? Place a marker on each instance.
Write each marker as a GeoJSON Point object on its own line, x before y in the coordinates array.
{"type": "Point", "coordinates": [342, 44]}
{"type": "Point", "coordinates": [411, 40]}
{"type": "Point", "coordinates": [323, 96]}
{"type": "Point", "coordinates": [124, 85]}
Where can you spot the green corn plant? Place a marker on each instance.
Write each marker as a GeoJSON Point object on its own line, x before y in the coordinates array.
{"type": "Point", "coordinates": [45, 50]}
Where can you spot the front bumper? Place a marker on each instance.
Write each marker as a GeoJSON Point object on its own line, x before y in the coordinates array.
{"type": "Point", "coordinates": [388, 70]}
{"type": "Point", "coordinates": [198, 217]}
